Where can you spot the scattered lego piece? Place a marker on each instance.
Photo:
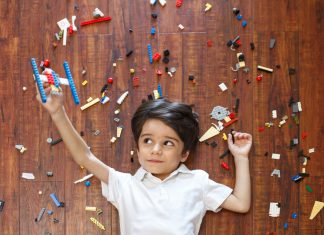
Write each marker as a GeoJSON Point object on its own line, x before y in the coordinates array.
{"type": "Point", "coordinates": [97, 13]}
{"type": "Point", "coordinates": [265, 69]}
{"type": "Point", "coordinates": [274, 210]}
{"type": "Point", "coordinates": [222, 86]}
{"type": "Point", "coordinates": [63, 24]}
{"type": "Point", "coordinates": [213, 144]}
{"type": "Point", "coordinates": [276, 172]}
{"type": "Point", "coordinates": [56, 201]}
{"type": "Point", "coordinates": [180, 26]}
{"type": "Point", "coordinates": [297, 178]}
{"type": "Point", "coordinates": [1, 205]}
{"type": "Point", "coordinates": [208, 6]}
{"type": "Point", "coordinates": [119, 131]}
{"type": "Point", "coordinates": [89, 104]}
{"type": "Point", "coordinates": [113, 139]}
{"type": "Point", "coordinates": [96, 222]}
{"type": "Point", "coordinates": [318, 206]}
{"type": "Point", "coordinates": [90, 208]}
{"type": "Point", "coordinates": [211, 132]}
{"type": "Point", "coordinates": [286, 225]}
{"type": "Point", "coordinates": [95, 21]}
{"type": "Point", "coordinates": [122, 98]}
{"type": "Point", "coordinates": [225, 166]}
{"type": "Point", "coordinates": [309, 189]}
{"type": "Point", "coordinates": [162, 2]}
{"type": "Point", "coordinates": [274, 114]}
{"type": "Point", "coordinates": [89, 99]}
{"type": "Point", "coordinates": [275, 156]}
{"type": "Point", "coordinates": [28, 176]}
{"type": "Point", "coordinates": [312, 150]}
{"type": "Point", "coordinates": [219, 113]}
{"type": "Point", "coordinates": [74, 28]}
{"type": "Point", "coordinates": [227, 152]}
{"type": "Point", "coordinates": [230, 122]}
{"type": "Point", "coordinates": [49, 174]}
{"type": "Point", "coordinates": [294, 215]}
{"type": "Point", "coordinates": [224, 136]}
{"type": "Point", "coordinates": [87, 183]}
{"type": "Point", "coordinates": [104, 99]}
{"type": "Point", "coordinates": [40, 215]}
{"type": "Point", "coordinates": [240, 59]}
{"type": "Point", "coordinates": [272, 43]}
{"type": "Point", "coordinates": [54, 142]}
{"type": "Point", "coordinates": [128, 54]}
{"type": "Point", "coordinates": [83, 179]}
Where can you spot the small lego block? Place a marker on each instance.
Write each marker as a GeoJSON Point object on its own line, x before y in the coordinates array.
{"type": "Point", "coordinates": [318, 206]}
{"type": "Point", "coordinates": [132, 71]}
{"type": "Point", "coordinates": [208, 6]}
{"type": "Point", "coordinates": [136, 81]}
{"type": "Point", "coordinates": [114, 65]}
{"type": "Point", "coordinates": [113, 139]}
{"type": "Point", "coordinates": [122, 97]}
{"type": "Point", "coordinates": [89, 104]}
{"type": "Point", "coordinates": [63, 24]}
{"type": "Point", "coordinates": [156, 94]}
{"type": "Point", "coordinates": [224, 136]}
{"type": "Point", "coordinates": [275, 156]}
{"type": "Point", "coordinates": [90, 208]}
{"type": "Point", "coordinates": [119, 131]}
{"type": "Point", "coordinates": [265, 69]}
{"type": "Point", "coordinates": [1, 205]}
{"type": "Point", "coordinates": [40, 215]}
{"type": "Point", "coordinates": [240, 59]}
{"type": "Point", "coordinates": [162, 2]}
{"type": "Point", "coordinates": [89, 99]}
{"type": "Point", "coordinates": [312, 150]}
{"type": "Point", "coordinates": [274, 209]}
{"type": "Point", "coordinates": [104, 99]}
{"type": "Point", "coordinates": [211, 132]}
{"type": "Point", "coordinates": [274, 114]}
{"type": "Point", "coordinates": [55, 200]}
{"type": "Point", "coordinates": [153, 31]}
{"type": "Point", "coordinates": [28, 176]}
{"type": "Point", "coordinates": [272, 43]}
{"type": "Point", "coordinates": [180, 26]}
{"type": "Point", "coordinates": [225, 166]}
{"type": "Point", "coordinates": [276, 172]}
{"type": "Point", "coordinates": [96, 222]}
{"type": "Point", "coordinates": [156, 57]}
{"type": "Point", "coordinates": [222, 86]}
{"type": "Point", "coordinates": [117, 111]}
{"type": "Point", "coordinates": [227, 119]}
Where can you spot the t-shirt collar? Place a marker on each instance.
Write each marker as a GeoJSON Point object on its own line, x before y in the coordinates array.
{"type": "Point", "coordinates": [141, 173]}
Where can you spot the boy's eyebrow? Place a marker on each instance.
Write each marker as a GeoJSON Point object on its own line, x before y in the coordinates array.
{"type": "Point", "coordinates": [168, 137]}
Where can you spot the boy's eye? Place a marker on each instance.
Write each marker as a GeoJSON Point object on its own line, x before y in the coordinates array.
{"type": "Point", "coordinates": [168, 143]}
{"type": "Point", "coordinates": [147, 141]}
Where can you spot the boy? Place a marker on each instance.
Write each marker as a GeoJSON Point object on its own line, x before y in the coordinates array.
{"type": "Point", "coordinates": [164, 197]}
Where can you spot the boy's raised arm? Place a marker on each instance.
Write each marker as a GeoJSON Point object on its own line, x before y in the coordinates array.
{"type": "Point", "coordinates": [240, 199]}
{"type": "Point", "coordinates": [73, 141]}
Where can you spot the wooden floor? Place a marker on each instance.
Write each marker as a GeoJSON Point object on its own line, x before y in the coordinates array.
{"type": "Point", "coordinates": [27, 30]}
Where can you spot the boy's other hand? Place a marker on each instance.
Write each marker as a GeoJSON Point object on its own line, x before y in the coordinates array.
{"type": "Point", "coordinates": [241, 145]}
{"type": "Point", "coordinates": [54, 101]}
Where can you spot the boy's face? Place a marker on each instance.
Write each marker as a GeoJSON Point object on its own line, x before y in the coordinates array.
{"type": "Point", "coordinates": [160, 149]}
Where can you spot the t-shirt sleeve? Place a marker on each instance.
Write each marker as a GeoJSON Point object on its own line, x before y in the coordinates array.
{"type": "Point", "coordinates": [215, 194]}
{"type": "Point", "coordinates": [113, 189]}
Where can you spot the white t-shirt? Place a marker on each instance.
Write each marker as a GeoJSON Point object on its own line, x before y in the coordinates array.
{"type": "Point", "coordinates": [174, 206]}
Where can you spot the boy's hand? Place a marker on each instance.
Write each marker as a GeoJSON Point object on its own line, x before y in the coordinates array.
{"type": "Point", "coordinates": [241, 145]}
{"type": "Point", "coordinates": [54, 101]}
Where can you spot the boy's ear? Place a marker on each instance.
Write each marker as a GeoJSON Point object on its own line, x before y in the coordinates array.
{"type": "Point", "coordinates": [185, 156]}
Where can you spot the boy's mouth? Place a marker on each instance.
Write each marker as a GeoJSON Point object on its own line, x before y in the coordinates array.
{"type": "Point", "coordinates": [154, 161]}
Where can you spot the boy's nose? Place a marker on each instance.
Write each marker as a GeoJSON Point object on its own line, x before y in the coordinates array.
{"type": "Point", "coordinates": [156, 149]}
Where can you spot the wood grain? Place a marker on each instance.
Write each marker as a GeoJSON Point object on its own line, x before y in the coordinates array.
{"type": "Point", "coordinates": [27, 30]}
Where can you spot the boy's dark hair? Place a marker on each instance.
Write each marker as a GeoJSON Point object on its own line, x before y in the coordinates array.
{"type": "Point", "coordinates": [178, 116]}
